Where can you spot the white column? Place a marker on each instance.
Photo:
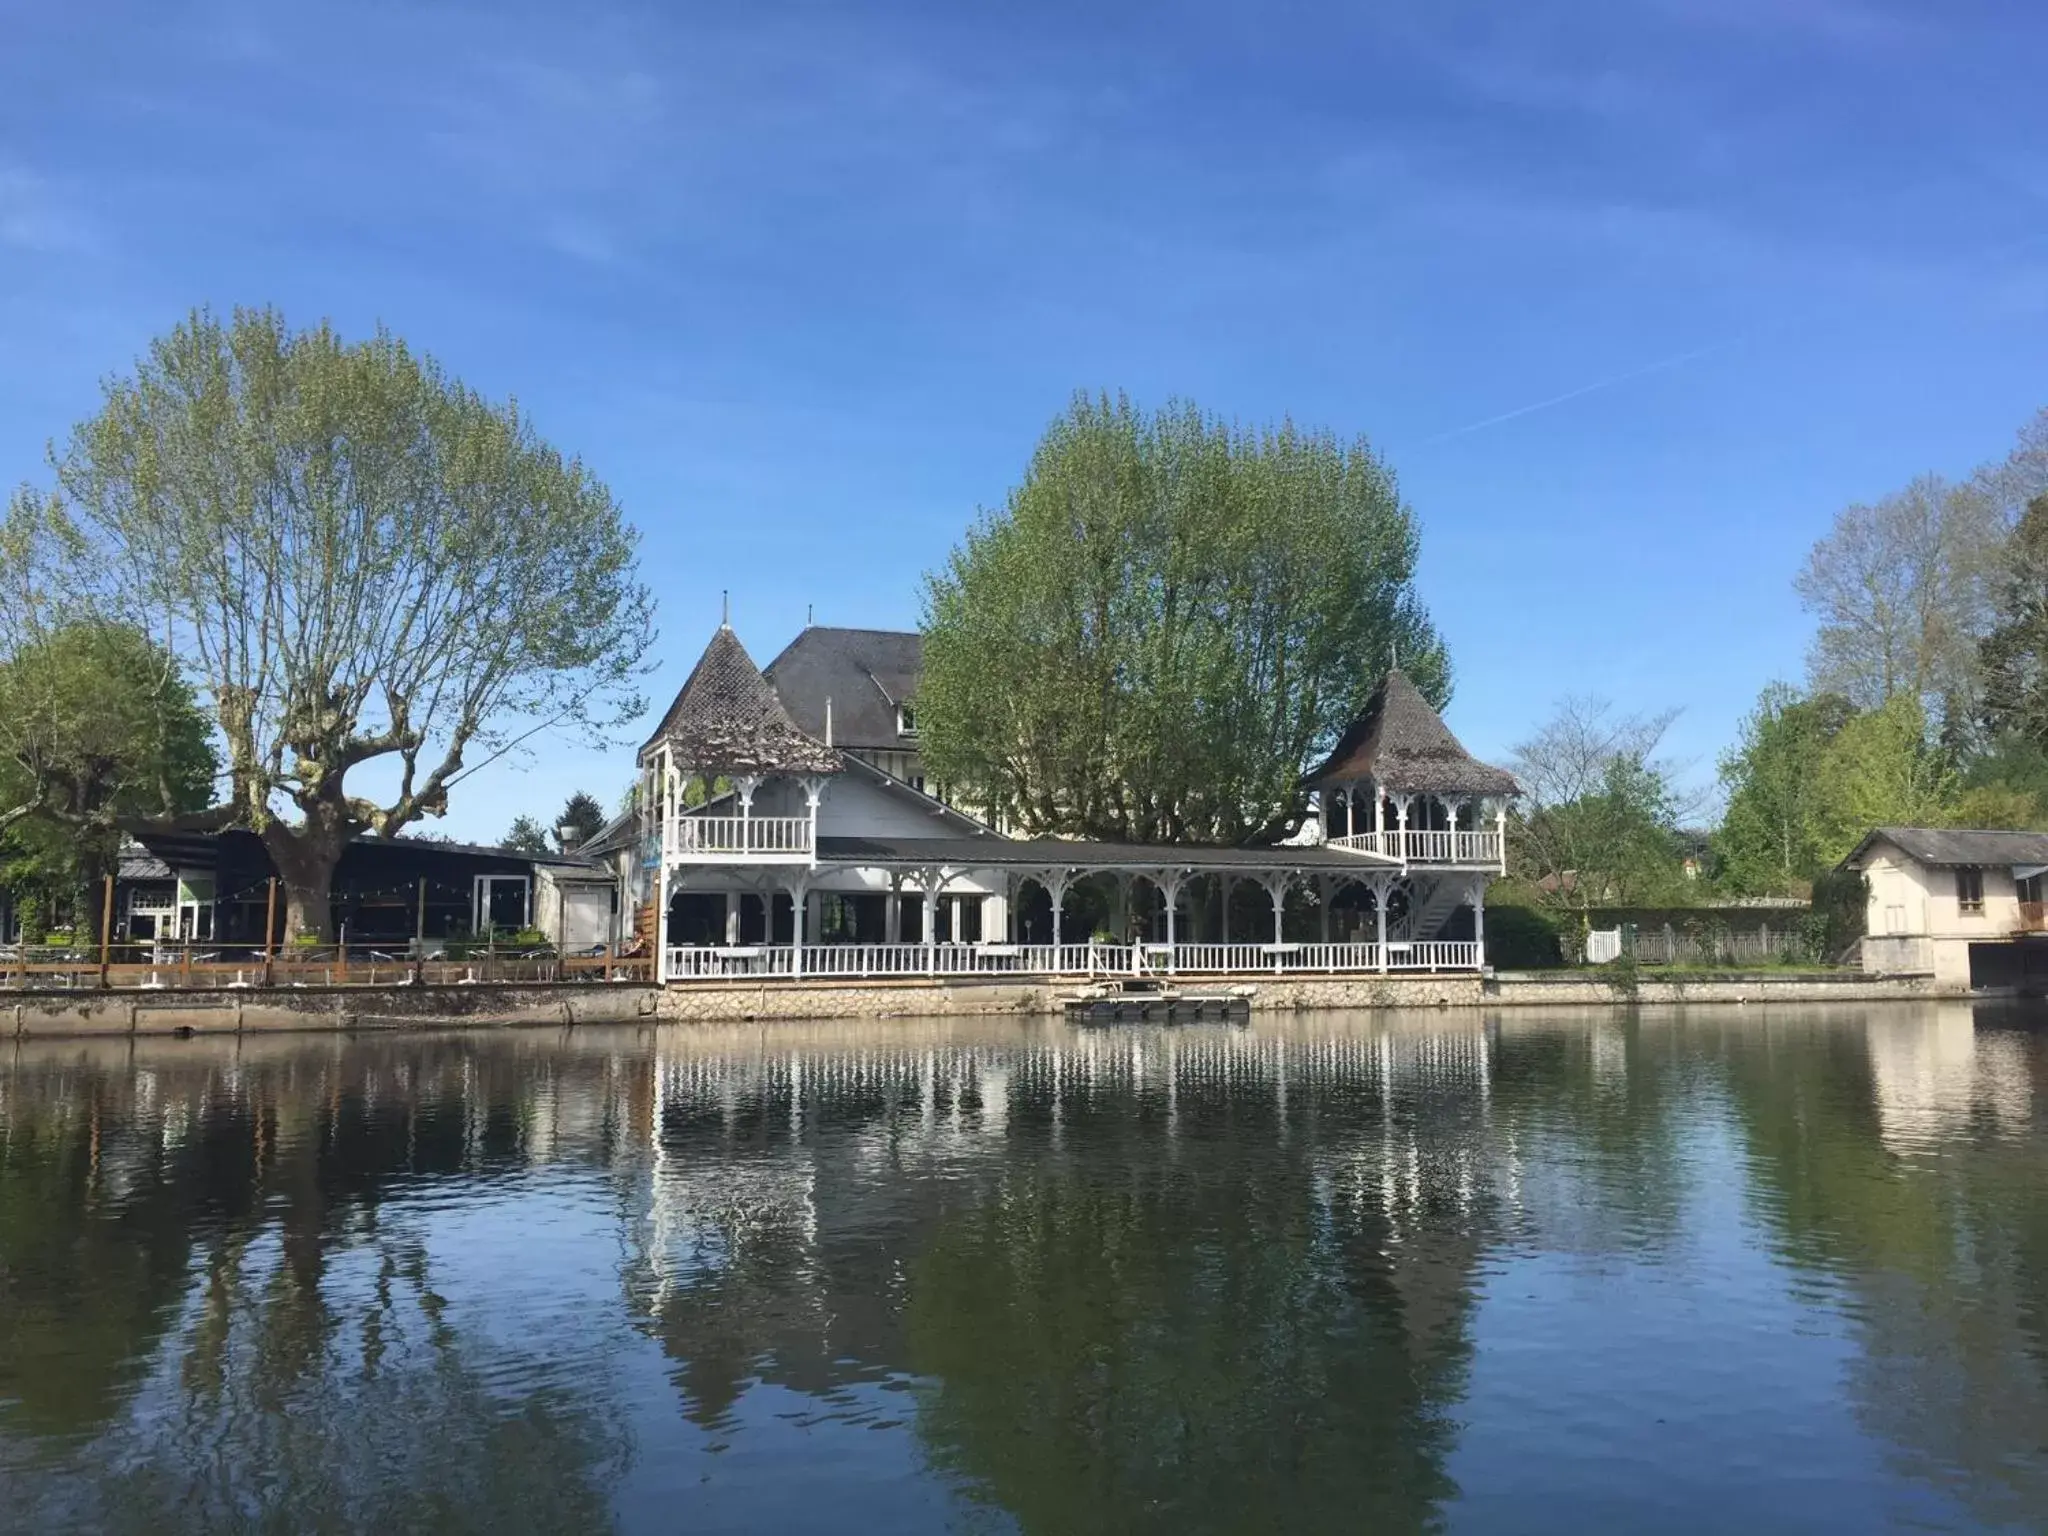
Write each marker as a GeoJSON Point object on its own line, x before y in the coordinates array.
{"type": "Point", "coordinates": [1401, 824]}
{"type": "Point", "coordinates": [732, 918]}
{"type": "Point", "coordinates": [1500, 826]}
{"type": "Point", "coordinates": [1276, 888]}
{"type": "Point", "coordinates": [1056, 883]}
{"type": "Point", "coordinates": [1380, 885]}
{"type": "Point", "coordinates": [661, 920]}
{"type": "Point", "coordinates": [799, 899]}
{"type": "Point", "coordinates": [744, 787]}
{"type": "Point", "coordinates": [1479, 919]}
{"type": "Point", "coordinates": [930, 880]}
{"type": "Point", "coordinates": [1170, 883]}
{"type": "Point", "coordinates": [814, 791]}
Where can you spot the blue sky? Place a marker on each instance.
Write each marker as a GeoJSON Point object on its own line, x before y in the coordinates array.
{"type": "Point", "coordinates": [805, 283]}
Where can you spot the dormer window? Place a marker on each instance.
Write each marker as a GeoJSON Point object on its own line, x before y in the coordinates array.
{"type": "Point", "coordinates": [906, 720]}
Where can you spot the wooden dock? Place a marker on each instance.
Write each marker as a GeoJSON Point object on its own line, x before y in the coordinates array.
{"type": "Point", "coordinates": [1146, 1001]}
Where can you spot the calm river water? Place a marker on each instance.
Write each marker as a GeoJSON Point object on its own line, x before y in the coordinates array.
{"type": "Point", "coordinates": [1715, 1271]}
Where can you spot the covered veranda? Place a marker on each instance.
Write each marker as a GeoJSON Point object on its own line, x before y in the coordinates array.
{"type": "Point", "coordinates": [994, 906]}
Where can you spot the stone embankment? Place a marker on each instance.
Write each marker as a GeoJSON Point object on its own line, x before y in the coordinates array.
{"type": "Point", "coordinates": [43, 1014]}
{"type": "Point", "coordinates": [250, 1011]}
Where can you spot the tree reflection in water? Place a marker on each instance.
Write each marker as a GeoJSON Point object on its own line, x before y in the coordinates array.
{"type": "Point", "coordinates": [1061, 1280]}
{"type": "Point", "coordinates": [207, 1328]}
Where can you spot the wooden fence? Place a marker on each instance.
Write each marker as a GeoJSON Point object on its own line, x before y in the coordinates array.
{"type": "Point", "coordinates": [201, 965]}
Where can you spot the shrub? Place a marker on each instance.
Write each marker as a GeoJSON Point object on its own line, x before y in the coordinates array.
{"type": "Point", "coordinates": [1522, 938]}
{"type": "Point", "coordinates": [1841, 905]}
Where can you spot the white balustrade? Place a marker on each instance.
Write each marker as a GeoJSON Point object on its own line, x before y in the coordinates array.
{"type": "Point", "coordinates": [1424, 846]}
{"type": "Point", "coordinates": [859, 961]}
{"type": "Point", "coordinates": [725, 837]}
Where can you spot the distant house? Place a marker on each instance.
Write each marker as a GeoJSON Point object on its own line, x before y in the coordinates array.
{"type": "Point", "coordinates": [1966, 907]}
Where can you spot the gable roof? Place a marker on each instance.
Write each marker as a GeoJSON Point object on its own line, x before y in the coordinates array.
{"type": "Point", "coordinates": [1402, 743]}
{"type": "Point", "coordinates": [866, 673]}
{"type": "Point", "coordinates": [1952, 847]}
{"type": "Point", "coordinates": [727, 720]}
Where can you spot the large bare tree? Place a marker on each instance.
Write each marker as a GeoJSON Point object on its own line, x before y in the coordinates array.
{"type": "Point", "coordinates": [363, 565]}
{"type": "Point", "coordinates": [1901, 588]}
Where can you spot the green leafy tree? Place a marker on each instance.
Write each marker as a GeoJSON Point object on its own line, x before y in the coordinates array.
{"type": "Point", "coordinates": [2015, 652]}
{"type": "Point", "coordinates": [1767, 841]}
{"type": "Point", "coordinates": [527, 836]}
{"type": "Point", "coordinates": [358, 561]}
{"type": "Point", "coordinates": [1880, 770]}
{"type": "Point", "coordinates": [1165, 622]}
{"type": "Point", "coordinates": [1598, 819]}
{"type": "Point", "coordinates": [583, 815]}
{"type": "Point", "coordinates": [97, 724]}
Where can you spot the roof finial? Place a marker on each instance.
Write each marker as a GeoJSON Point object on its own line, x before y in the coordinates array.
{"type": "Point", "coordinates": [810, 614]}
{"type": "Point", "coordinates": [725, 609]}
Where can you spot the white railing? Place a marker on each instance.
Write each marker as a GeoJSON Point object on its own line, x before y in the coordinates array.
{"type": "Point", "coordinates": [726, 837]}
{"type": "Point", "coordinates": [687, 963]}
{"type": "Point", "coordinates": [1417, 846]}
{"type": "Point", "coordinates": [870, 961]}
{"type": "Point", "coordinates": [1434, 955]}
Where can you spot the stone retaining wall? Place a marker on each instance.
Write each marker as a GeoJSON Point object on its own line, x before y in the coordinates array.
{"type": "Point", "coordinates": [321, 1008]}
{"type": "Point", "coordinates": [705, 1002]}
{"type": "Point", "coordinates": [339, 1008]}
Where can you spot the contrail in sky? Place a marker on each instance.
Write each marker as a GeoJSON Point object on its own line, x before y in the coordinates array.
{"type": "Point", "coordinates": [1662, 365]}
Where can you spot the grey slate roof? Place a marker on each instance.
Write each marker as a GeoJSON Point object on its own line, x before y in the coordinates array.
{"type": "Point", "coordinates": [1952, 847]}
{"type": "Point", "coordinates": [1404, 744]}
{"type": "Point", "coordinates": [992, 850]}
{"type": "Point", "coordinates": [866, 673]}
{"type": "Point", "coordinates": [727, 720]}
{"type": "Point", "coordinates": [138, 863]}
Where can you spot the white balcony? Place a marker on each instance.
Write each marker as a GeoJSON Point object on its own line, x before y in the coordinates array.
{"type": "Point", "coordinates": [754, 839]}
{"type": "Point", "coordinates": [1456, 850]}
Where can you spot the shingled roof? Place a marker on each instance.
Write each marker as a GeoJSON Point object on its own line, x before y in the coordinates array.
{"type": "Point", "coordinates": [1404, 745]}
{"type": "Point", "coordinates": [727, 720]}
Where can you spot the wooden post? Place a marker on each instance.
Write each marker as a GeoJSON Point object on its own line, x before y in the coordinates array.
{"type": "Point", "coordinates": [269, 930]}
{"type": "Point", "coordinates": [419, 936]}
{"type": "Point", "coordinates": [106, 930]}
{"type": "Point", "coordinates": [185, 964]}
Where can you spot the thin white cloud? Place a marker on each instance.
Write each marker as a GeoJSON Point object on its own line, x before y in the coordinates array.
{"type": "Point", "coordinates": [32, 218]}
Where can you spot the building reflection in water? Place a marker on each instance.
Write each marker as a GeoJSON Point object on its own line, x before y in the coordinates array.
{"type": "Point", "coordinates": [1106, 1279]}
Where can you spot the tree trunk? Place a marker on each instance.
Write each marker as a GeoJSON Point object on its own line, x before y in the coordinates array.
{"type": "Point", "coordinates": [305, 858]}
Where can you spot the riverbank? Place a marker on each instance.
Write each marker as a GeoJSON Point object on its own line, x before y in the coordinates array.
{"type": "Point", "coordinates": [346, 1008]}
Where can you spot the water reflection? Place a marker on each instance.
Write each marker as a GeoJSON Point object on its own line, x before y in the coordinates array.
{"type": "Point", "coordinates": [1339, 1273]}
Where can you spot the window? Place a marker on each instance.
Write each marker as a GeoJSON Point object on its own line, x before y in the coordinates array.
{"type": "Point", "coordinates": [1970, 889]}
{"type": "Point", "coordinates": [906, 720]}
{"type": "Point", "coordinates": [2031, 889]}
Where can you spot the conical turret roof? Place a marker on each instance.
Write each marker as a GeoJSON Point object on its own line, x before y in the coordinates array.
{"type": "Point", "coordinates": [1404, 745]}
{"type": "Point", "coordinates": [727, 720]}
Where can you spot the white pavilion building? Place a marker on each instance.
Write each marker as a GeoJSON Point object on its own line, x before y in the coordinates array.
{"type": "Point", "coordinates": [774, 852]}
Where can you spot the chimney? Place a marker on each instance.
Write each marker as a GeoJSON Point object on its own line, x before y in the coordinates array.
{"type": "Point", "coordinates": [568, 837]}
